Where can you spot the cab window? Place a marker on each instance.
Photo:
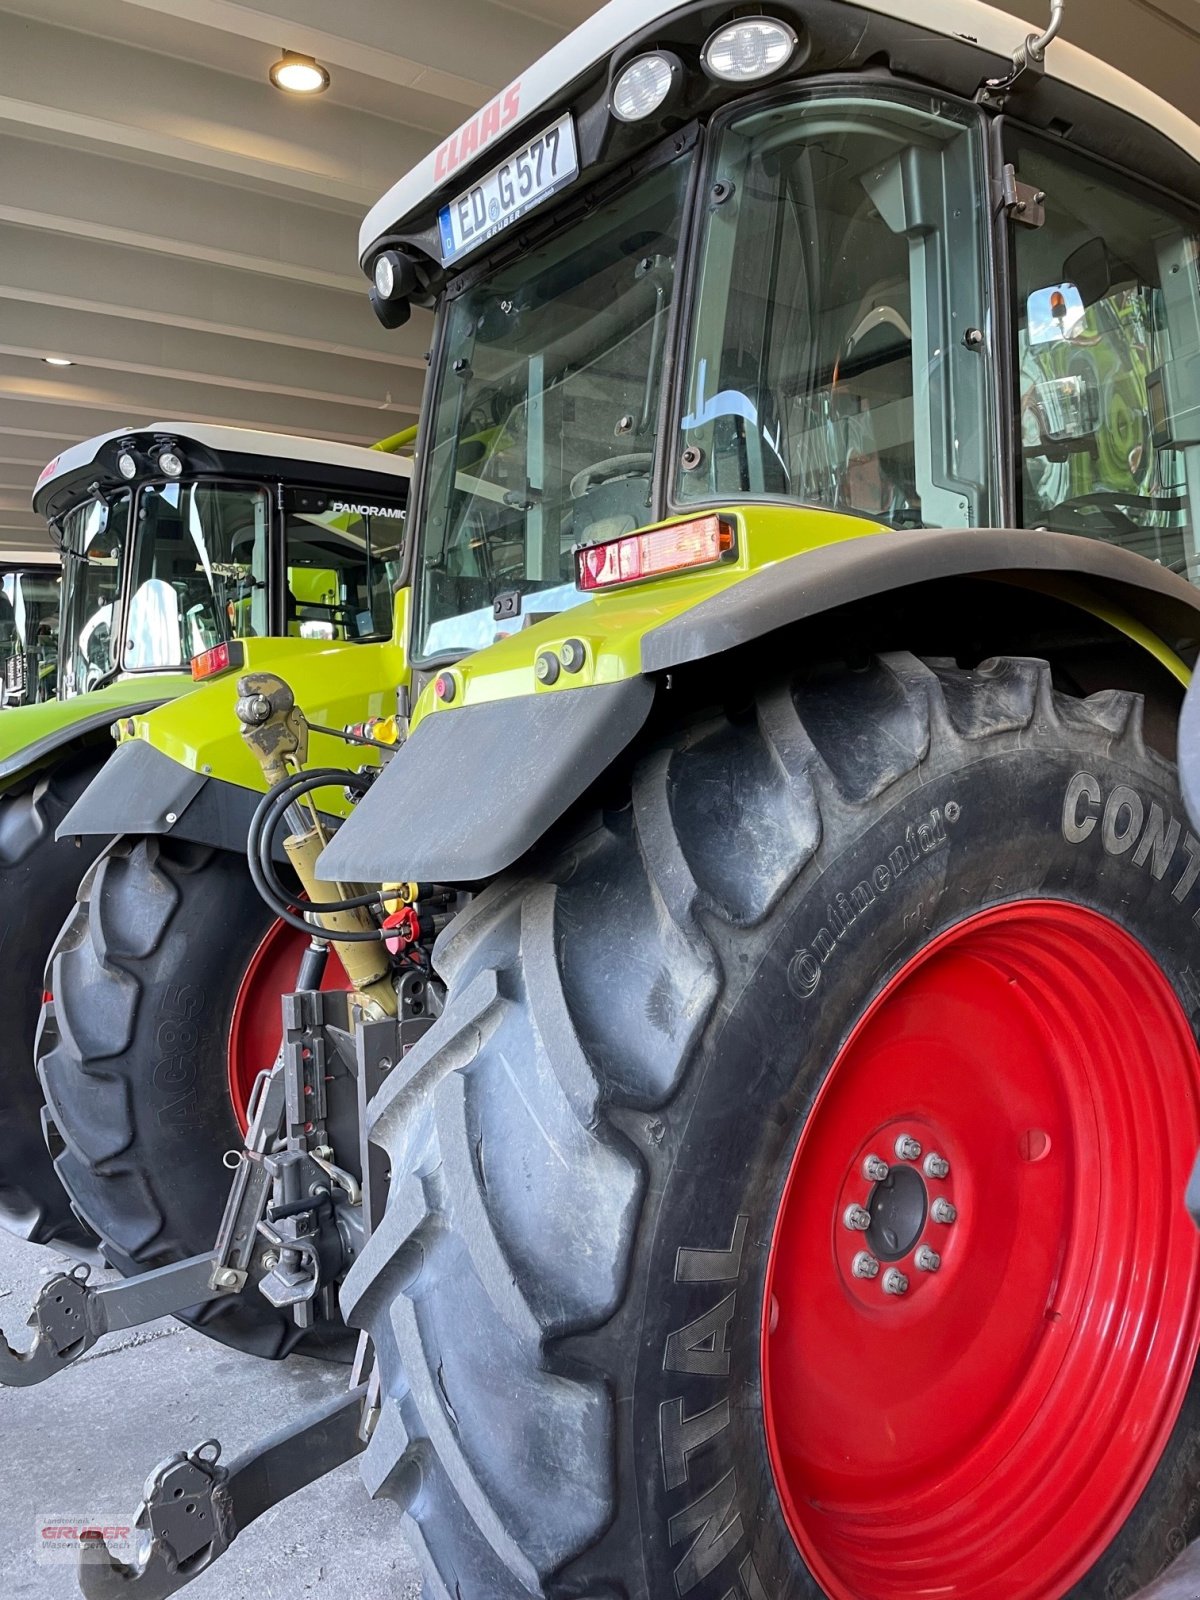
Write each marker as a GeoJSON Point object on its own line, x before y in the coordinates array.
{"type": "Point", "coordinates": [838, 357]}
{"type": "Point", "coordinates": [342, 562]}
{"type": "Point", "coordinates": [94, 537]}
{"type": "Point", "coordinates": [199, 571]}
{"type": "Point", "coordinates": [1108, 361]}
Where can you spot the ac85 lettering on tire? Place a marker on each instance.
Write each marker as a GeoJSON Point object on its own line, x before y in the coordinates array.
{"type": "Point", "coordinates": [617, 1281]}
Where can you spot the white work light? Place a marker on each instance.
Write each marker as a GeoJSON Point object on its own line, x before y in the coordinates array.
{"type": "Point", "coordinates": [385, 276]}
{"type": "Point", "coordinates": [127, 464]}
{"type": "Point", "coordinates": [170, 464]}
{"type": "Point", "coordinates": [644, 85]}
{"type": "Point", "coordinates": [753, 48]}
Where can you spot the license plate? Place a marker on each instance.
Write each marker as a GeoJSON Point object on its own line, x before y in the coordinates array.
{"type": "Point", "coordinates": [527, 178]}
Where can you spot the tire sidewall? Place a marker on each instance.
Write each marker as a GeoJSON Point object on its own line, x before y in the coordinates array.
{"type": "Point", "coordinates": [958, 838]}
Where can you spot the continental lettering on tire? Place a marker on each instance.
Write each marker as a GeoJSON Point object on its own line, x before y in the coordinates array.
{"type": "Point", "coordinates": [847, 906]}
{"type": "Point", "coordinates": [708, 1529]}
{"type": "Point", "coordinates": [1126, 827]}
{"type": "Point", "coordinates": [178, 1039]}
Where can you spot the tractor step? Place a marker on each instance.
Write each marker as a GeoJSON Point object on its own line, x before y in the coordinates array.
{"type": "Point", "coordinates": [69, 1315]}
{"type": "Point", "coordinates": [193, 1507]}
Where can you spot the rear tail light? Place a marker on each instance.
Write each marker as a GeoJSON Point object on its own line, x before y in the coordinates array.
{"type": "Point", "coordinates": [676, 548]}
{"type": "Point", "coordinates": [221, 658]}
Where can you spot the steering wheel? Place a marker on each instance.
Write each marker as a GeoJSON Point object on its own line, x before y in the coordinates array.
{"type": "Point", "coordinates": [628, 466]}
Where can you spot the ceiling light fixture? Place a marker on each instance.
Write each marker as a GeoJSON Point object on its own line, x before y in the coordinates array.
{"type": "Point", "coordinates": [297, 74]}
{"type": "Point", "coordinates": [58, 361]}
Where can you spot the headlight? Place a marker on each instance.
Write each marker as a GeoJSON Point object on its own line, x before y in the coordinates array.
{"type": "Point", "coordinates": [644, 85]}
{"type": "Point", "coordinates": [170, 464]}
{"type": "Point", "coordinates": [127, 464]}
{"type": "Point", "coordinates": [747, 50]}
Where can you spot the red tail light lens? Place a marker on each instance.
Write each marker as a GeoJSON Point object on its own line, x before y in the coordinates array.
{"type": "Point", "coordinates": [221, 658]}
{"type": "Point", "coordinates": [657, 551]}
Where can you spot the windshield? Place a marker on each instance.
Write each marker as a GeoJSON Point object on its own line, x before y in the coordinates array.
{"type": "Point", "coordinates": [544, 423]}
{"type": "Point", "coordinates": [1108, 320]}
{"type": "Point", "coordinates": [838, 356]}
{"type": "Point", "coordinates": [93, 543]}
{"type": "Point", "coordinates": [199, 571]}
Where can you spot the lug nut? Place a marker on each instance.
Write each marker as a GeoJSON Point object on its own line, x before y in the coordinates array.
{"type": "Point", "coordinates": [875, 1169]}
{"type": "Point", "coordinates": [936, 1166]}
{"type": "Point", "coordinates": [864, 1265]}
{"type": "Point", "coordinates": [927, 1260]}
{"type": "Point", "coordinates": [894, 1281]}
{"type": "Point", "coordinates": [856, 1218]}
{"type": "Point", "coordinates": [943, 1211]}
{"type": "Point", "coordinates": [907, 1148]}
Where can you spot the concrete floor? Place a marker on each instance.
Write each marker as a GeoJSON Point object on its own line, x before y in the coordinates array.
{"type": "Point", "coordinates": [81, 1444]}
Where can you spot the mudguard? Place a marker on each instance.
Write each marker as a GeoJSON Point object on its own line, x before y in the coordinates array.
{"type": "Point", "coordinates": [30, 735]}
{"type": "Point", "coordinates": [141, 791]}
{"type": "Point", "coordinates": [475, 788]}
{"type": "Point", "coordinates": [471, 791]}
{"type": "Point", "coordinates": [856, 569]}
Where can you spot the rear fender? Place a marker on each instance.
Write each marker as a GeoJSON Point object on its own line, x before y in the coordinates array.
{"type": "Point", "coordinates": [438, 814]}
{"type": "Point", "coordinates": [32, 736]}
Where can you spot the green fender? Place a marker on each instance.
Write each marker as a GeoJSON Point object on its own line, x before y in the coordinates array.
{"type": "Point", "coordinates": [543, 739]}
{"type": "Point", "coordinates": [30, 736]}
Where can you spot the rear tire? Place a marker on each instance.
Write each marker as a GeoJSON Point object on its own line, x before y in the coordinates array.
{"type": "Point", "coordinates": [569, 1292]}
{"type": "Point", "coordinates": [133, 1060]}
{"type": "Point", "coordinates": [39, 877]}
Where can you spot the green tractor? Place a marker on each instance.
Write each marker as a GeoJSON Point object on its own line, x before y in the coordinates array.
{"type": "Point", "coordinates": [183, 547]}
{"type": "Point", "coordinates": [765, 1178]}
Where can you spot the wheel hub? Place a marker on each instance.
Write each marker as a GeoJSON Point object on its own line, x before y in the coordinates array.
{"type": "Point", "coordinates": [890, 1208]}
{"type": "Point", "coordinates": [899, 1207]}
{"type": "Point", "coordinates": [944, 1249]}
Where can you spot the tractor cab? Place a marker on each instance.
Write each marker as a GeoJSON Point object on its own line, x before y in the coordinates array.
{"type": "Point", "coordinates": [821, 258]}
{"type": "Point", "coordinates": [179, 539]}
{"type": "Point", "coordinates": [30, 597]}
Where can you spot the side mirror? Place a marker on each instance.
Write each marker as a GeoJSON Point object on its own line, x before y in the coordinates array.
{"type": "Point", "coordinates": [1054, 313]}
{"type": "Point", "coordinates": [1096, 272]}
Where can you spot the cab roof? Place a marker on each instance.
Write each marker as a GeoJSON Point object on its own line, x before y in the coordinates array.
{"type": "Point", "coordinates": [548, 83]}
{"type": "Point", "coordinates": [213, 448]}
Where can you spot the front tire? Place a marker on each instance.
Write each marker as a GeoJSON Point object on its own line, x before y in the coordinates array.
{"type": "Point", "coordinates": [624, 1347]}
{"type": "Point", "coordinates": [39, 876]}
{"type": "Point", "coordinates": [133, 1056]}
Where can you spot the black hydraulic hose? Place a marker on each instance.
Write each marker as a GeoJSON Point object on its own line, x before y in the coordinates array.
{"type": "Point", "coordinates": [285, 796]}
{"type": "Point", "coordinates": [266, 819]}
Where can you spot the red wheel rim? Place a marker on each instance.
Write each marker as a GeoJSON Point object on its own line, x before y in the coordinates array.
{"type": "Point", "coordinates": [985, 1432]}
{"type": "Point", "coordinates": [257, 1026]}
